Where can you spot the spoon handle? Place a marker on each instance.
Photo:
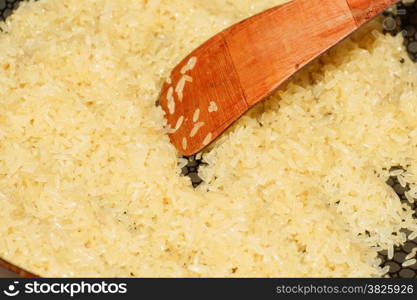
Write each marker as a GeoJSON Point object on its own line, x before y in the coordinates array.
{"type": "Point", "coordinates": [244, 64]}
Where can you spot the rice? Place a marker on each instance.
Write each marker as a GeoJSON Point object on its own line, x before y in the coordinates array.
{"type": "Point", "coordinates": [207, 139]}
{"type": "Point", "coordinates": [407, 174]}
{"type": "Point", "coordinates": [171, 107]}
{"type": "Point", "coordinates": [192, 62]}
{"type": "Point", "coordinates": [188, 78]}
{"type": "Point", "coordinates": [184, 69]}
{"type": "Point", "coordinates": [385, 270]}
{"type": "Point", "coordinates": [410, 262]}
{"type": "Point", "coordinates": [170, 101]}
{"type": "Point", "coordinates": [179, 123]}
{"type": "Point", "coordinates": [196, 115]}
{"type": "Point", "coordinates": [409, 197]}
{"type": "Point", "coordinates": [182, 162]}
{"type": "Point", "coordinates": [396, 172]}
{"type": "Point", "coordinates": [184, 143]}
{"type": "Point", "coordinates": [170, 93]}
{"type": "Point", "coordinates": [179, 89]}
{"type": "Point", "coordinates": [189, 65]}
{"type": "Point", "coordinates": [180, 95]}
{"type": "Point", "coordinates": [212, 107]}
{"type": "Point", "coordinates": [402, 181]}
{"type": "Point", "coordinates": [91, 185]}
{"type": "Point", "coordinates": [412, 254]}
{"type": "Point", "coordinates": [198, 269]}
{"type": "Point", "coordinates": [196, 128]}
{"type": "Point", "coordinates": [413, 236]}
{"type": "Point", "coordinates": [390, 252]}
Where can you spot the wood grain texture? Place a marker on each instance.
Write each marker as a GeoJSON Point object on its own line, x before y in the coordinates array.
{"type": "Point", "coordinates": [244, 64]}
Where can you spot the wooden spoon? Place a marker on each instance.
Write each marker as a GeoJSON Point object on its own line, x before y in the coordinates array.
{"type": "Point", "coordinates": [241, 66]}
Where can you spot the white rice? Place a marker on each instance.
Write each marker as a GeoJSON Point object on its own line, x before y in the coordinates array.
{"type": "Point", "coordinates": [184, 69]}
{"type": "Point", "coordinates": [390, 252]}
{"type": "Point", "coordinates": [198, 269]}
{"type": "Point", "coordinates": [412, 254]}
{"type": "Point", "coordinates": [91, 185]}
{"type": "Point", "coordinates": [170, 93]}
{"type": "Point", "coordinates": [171, 101]}
{"type": "Point", "coordinates": [182, 162]}
{"type": "Point", "coordinates": [207, 139]}
{"type": "Point", "coordinates": [196, 128]}
{"type": "Point", "coordinates": [180, 88]}
{"type": "Point", "coordinates": [409, 198]}
{"type": "Point", "coordinates": [410, 262]}
{"type": "Point", "coordinates": [212, 107]}
{"type": "Point", "coordinates": [180, 95]}
{"type": "Point", "coordinates": [413, 191]}
{"type": "Point", "coordinates": [189, 65]}
{"type": "Point", "coordinates": [413, 236]}
{"type": "Point", "coordinates": [188, 78]}
{"type": "Point", "coordinates": [179, 123]}
{"type": "Point", "coordinates": [396, 172]}
{"type": "Point", "coordinates": [192, 62]}
{"type": "Point", "coordinates": [171, 107]}
{"type": "Point", "coordinates": [184, 143]}
{"type": "Point", "coordinates": [385, 270]}
{"type": "Point", "coordinates": [402, 181]}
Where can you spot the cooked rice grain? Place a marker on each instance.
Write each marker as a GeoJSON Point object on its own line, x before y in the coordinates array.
{"type": "Point", "coordinates": [207, 139]}
{"type": "Point", "coordinates": [410, 262]}
{"type": "Point", "coordinates": [184, 143]}
{"type": "Point", "coordinates": [196, 115]}
{"type": "Point", "coordinates": [179, 123]}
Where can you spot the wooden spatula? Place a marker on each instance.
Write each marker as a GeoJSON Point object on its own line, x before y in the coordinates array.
{"type": "Point", "coordinates": [239, 67]}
